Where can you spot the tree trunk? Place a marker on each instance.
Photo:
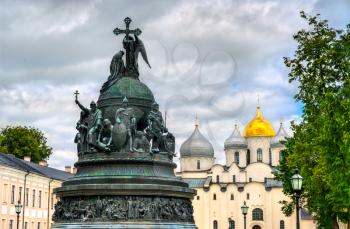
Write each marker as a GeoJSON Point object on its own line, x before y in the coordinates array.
{"type": "Point", "coordinates": [335, 224]}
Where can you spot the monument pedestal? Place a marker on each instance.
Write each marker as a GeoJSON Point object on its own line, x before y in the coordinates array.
{"type": "Point", "coordinates": [124, 190]}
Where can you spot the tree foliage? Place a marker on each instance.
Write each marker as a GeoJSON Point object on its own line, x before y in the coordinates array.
{"type": "Point", "coordinates": [24, 141]}
{"type": "Point", "coordinates": [320, 146]}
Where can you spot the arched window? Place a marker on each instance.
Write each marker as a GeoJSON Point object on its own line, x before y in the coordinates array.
{"type": "Point", "coordinates": [258, 214]}
{"type": "Point", "coordinates": [256, 227]}
{"type": "Point", "coordinates": [214, 197]}
{"type": "Point", "coordinates": [231, 224]}
{"type": "Point", "coordinates": [282, 224]}
{"type": "Point", "coordinates": [259, 155]}
{"type": "Point", "coordinates": [232, 197]}
{"type": "Point", "coordinates": [237, 157]}
{"type": "Point", "coordinates": [217, 179]}
{"type": "Point", "coordinates": [198, 164]}
{"type": "Point", "coordinates": [248, 157]}
{"type": "Point", "coordinates": [281, 156]}
{"type": "Point", "coordinates": [215, 224]}
{"type": "Point", "coordinates": [270, 157]}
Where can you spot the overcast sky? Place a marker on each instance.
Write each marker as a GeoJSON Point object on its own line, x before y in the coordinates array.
{"type": "Point", "coordinates": [208, 57]}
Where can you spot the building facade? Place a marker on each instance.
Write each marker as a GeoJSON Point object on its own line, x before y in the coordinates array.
{"type": "Point", "coordinates": [30, 184]}
{"type": "Point", "coordinates": [247, 176]}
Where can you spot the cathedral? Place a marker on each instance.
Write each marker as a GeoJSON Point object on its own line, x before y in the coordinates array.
{"type": "Point", "coordinates": [246, 177]}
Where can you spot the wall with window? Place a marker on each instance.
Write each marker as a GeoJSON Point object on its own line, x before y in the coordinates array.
{"type": "Point", "coordinates": [233, 153]}
{"type": "Point", "coordinates": [258, 172]}
{"type": "Point", "coordinates": [276, 155]}
{"type": "Point", "coordinates": [262, 143]}
{"type": "Point", "coordinates": [224, 210]}
{"type": "Point", "coordinates": [196, 163]}
{"type": "Point", "coordinates": [35, 198]}
{"type": "Point", "coordinates": [232, 184]}
{"type": "Point", "coordinates": [223, 205]}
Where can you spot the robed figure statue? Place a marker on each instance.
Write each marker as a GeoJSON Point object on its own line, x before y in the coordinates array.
{"type": "Point", "coordinates": [94, 122]}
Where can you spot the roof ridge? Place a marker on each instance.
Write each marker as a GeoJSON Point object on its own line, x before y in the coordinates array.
{"type": "Point", "coordinates": [23, 165]}
{"type": "Point", "coordinates": [19, 162]}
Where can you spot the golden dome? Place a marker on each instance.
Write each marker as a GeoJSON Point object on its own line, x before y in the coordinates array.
{"type": "Point", "coordinates": [259, 127]}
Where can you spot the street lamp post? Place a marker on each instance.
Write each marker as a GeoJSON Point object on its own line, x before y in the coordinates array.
{"type": "Point", "coordinates": [297, 183]}
{"type": "Point", "coordinates": [18, 208]}
{"type": "Point", "coordinates": [244, 212]}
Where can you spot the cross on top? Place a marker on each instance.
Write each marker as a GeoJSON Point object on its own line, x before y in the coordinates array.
{"type": "Point", "coordinates": [76, 93]}
{"type": "Point", "coordinates": [127, 31]}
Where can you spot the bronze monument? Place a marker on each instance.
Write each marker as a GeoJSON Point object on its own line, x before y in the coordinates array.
{"type": "Point", "coordinates": [125, 170]}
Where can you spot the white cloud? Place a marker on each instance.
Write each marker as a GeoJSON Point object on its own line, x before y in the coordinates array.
{"type": "Point", "coordinates": [210, 59]}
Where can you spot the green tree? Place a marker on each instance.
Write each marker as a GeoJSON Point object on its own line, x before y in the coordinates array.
{"type": "Point", "coordinates": [24, 141]}
{"type": "Point", "coordinates": [320, 146]}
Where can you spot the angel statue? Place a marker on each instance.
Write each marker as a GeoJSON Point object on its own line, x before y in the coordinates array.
{"type": "Point", "coordinates": [133, 46]}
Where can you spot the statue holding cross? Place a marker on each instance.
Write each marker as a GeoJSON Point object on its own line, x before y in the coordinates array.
{"type": "Point", "coordinates": [133, 46]}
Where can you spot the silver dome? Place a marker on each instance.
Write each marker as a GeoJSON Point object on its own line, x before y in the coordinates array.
{"type": "Point", "coordinates": [235, 140]}
{"type": "Point", "coordinates": [280, 136]}
{"type": "Point", "coordinates": [196, 145]}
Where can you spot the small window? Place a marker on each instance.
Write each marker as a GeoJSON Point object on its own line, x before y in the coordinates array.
{"type": "Point", "coordinates": [198, 164]}
{"type": "Point", "coordinates": [11, 224]}
{"type": "Point", "coordinates": [217, 179]}
{"type": "Point", "coordinates": [232, 197]}
{"type": "Point", "coordinates": [259, 155]}
{"type": "Point", "coordinates": [5, 194]}
{"type": "Point", "coordinates": [33, 198]}
{"type": "Point", "coordinates": [248, 196]}
{"type": "Point", "coordinates": [231, 224]}
{"type": "Point", "coordinates": [250, 179]}
{"type": "Point", "coordinates": [27, 196]}
{"type": "Point", "coordinates": [39, 199]}
{"type": "Point", "coordinates": [258, 214]}
{"type": "Point", "coordinates": [197, 197]}
{"type": "Point", "coordinates": [237, 157]}
{"type": "Point", "coordinates": [270, 157]}
{"type": "Point", "coordinates": [214, 196]}
{"type": "Point", "coordinates": [248, 157]}
{"type": "Point", "coordinates": [215, 224]}
{"type": "Point", "coordinates": [13, 189]}
{"type": "Point", "coordinates": [20, 194]}
{"type": "Point", "coordinates": [282, 224]}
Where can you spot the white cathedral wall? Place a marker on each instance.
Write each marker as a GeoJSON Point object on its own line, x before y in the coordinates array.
{"type": "Point", "coordinates": [230, 156]}
{"type": "Point", "coordinates": [190, 163]}
{"type": "Point", "coordinates": [206, 209]}
{"type": "Point", "coordinates": [226, 176]}
{"type": "Point", "coordinates": [275, 155]}
{"type": "Point", "coordinates": [254, 143]}
{"type": "Point", "coordinates": [258, 172]}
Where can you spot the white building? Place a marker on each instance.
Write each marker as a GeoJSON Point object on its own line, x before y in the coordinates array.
{"type": "Point", "coordinates": [246, 176]}
{"type": "Point", "coordinates": [32, 185]}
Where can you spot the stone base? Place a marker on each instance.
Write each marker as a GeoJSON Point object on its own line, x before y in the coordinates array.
{"type": "Point", "coordinates": [126, 225]}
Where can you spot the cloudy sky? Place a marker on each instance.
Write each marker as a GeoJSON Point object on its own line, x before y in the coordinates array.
{"type": "Point", "coordinates": [212, 58]}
